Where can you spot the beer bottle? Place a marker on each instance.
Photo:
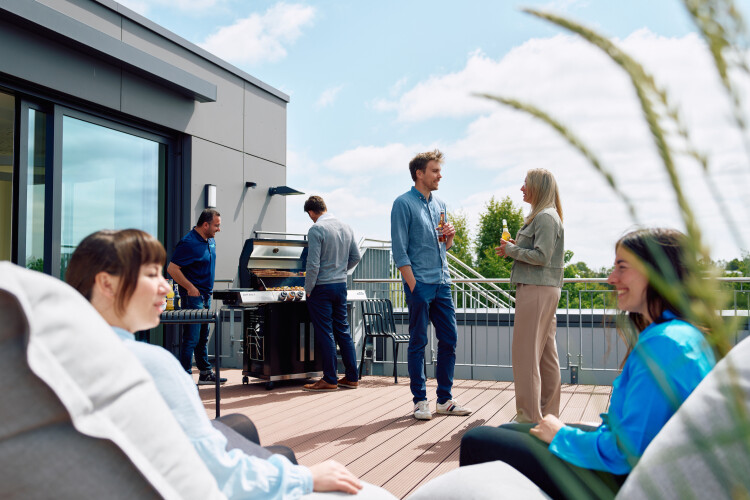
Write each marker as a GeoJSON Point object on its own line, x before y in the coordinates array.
{"type": "Point", "coordinates": [177, 298]}
{"type": "Point", "coordinates": [441, 236]}
{"type": "Point", "coordinates": [170, 296]}
{"type": "Point", "coordinates": [506, 233]}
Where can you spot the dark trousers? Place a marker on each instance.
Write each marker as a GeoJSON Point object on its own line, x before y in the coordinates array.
{"type": "Point", "coordinates": [431, 303]}
{"type": "Point", "coordinates": [195, 337]}
{"type": "Point", "coordinates": [512, 444]}
{"type": "Point", "coordinates": [327, 307]}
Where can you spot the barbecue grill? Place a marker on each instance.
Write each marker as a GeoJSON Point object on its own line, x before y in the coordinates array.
{"type": "Point", "coordinates": [278, 338]}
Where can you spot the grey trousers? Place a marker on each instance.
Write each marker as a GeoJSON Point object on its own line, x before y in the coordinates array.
{"type": "Point", "coordinates": [536, 367]}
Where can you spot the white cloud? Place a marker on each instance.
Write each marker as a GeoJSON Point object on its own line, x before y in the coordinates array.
{"type": "Point", "coordinates": [580, 86]}
{"type": "Point", "coordinates": [261, 37]}
{"type": "Point", "coordinates": [328, 96]}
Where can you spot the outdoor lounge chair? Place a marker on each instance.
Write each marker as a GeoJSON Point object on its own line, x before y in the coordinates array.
{"type": "Point", "coordinates": [80, 417]}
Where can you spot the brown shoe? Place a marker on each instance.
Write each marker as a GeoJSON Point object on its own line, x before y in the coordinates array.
{"type": "Point", "coordinates": [346, 384]}
{"type": "Point", "coordinates": [320, 386]}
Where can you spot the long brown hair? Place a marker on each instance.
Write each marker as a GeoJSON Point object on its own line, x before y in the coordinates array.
{"type": "Point", "coordinates": [119, 253]}
{"type": "Point", "coordinates": [662, 253]}
{"type": "Point", "coordinates": [543, 193]}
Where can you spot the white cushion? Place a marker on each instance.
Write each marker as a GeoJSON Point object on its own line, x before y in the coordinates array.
{"type": "Point", "coordinates": [368, 492]}
{"type": "Point", "coordinates": [106, 392]}
{"type": "Point", "coordinates": [487, 481]}
{"type": "Point", "coordinates": [703, 450]}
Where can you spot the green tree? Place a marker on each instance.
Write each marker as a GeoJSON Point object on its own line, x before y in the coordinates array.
{"type": "Point", "coordinates": [490, 233]}
{"type": "Point", "coordinates": [462, 244]}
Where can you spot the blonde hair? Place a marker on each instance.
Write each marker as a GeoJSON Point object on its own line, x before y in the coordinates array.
{"type": "Point", "coordinates": [543, 193]}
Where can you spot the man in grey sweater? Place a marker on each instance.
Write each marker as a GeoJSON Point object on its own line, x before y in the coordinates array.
{"type": "Point", "coordinates": [332, 251]}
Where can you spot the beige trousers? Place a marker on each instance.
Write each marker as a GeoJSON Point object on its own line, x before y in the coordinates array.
{"type": "Point", "coordinates": [536, 367]}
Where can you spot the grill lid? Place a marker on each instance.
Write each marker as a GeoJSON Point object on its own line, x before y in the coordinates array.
{"type": "Point", "coordinates": [267, 263]}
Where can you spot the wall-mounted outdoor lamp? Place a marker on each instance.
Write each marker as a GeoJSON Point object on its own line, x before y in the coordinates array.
{"type": "Point", "coordinates": [283, 191]}
{"type": "Point", "coordinates": [250, 184]}
{"type": "Point", "coordinates": [210, 196]}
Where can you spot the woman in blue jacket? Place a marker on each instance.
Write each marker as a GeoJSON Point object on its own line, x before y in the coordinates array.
{"type": "Point", "coordinates": [667, 358]}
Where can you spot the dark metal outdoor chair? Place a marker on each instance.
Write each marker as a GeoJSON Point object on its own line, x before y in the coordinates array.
{"type": "Point", "coordinates": [377, 318]}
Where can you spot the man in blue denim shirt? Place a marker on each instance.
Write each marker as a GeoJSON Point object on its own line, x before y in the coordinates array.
{"type": "Point", "coordinates": [193, 267]}
{"type": "Point", "coordinates": [420, 257]}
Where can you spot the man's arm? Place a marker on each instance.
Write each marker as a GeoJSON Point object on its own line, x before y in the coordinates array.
{"type": "Point", "coordinates": [400, 242]}
{"type": "Point", "coordinates": [176, 273]}
{"type": "Point", "coordinates": [354, 255]}
{"type": "Point", "coordinates": [408, 276]}
{"type": "Point", "coordinates": [314, 242]}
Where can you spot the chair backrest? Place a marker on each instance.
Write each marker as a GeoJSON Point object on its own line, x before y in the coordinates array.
{"type": "Point", "coordinates": [377, 317]}
{"type": "Point", "coordinates": [704, 449]}
{"type": "Point", "coordinates": [80, 416]}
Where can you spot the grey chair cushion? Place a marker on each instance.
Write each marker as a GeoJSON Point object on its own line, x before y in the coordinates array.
{"type": "Point", "coordinates": [487, 481]}
{"type": "Point", "coordinates": [81, 418]}
{"type": "Point", "coordinates": [704, 449]}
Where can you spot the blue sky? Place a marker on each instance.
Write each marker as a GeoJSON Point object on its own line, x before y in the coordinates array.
{"type": "Point", "coordinates": [373, 83]}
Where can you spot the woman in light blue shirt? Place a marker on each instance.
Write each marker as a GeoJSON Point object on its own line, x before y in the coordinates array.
{"type": "Point", "coordinates": [120, 273]}
{"type": "Point", "coordinates": [667, 359]}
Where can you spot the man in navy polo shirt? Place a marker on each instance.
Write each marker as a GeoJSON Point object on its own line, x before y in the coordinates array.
{"type": "Point", "coordinates": [420, 256]}
{"type": "Point", "coordinates": [193, 267]}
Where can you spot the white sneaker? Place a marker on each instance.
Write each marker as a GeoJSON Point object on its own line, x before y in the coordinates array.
{"type": "Point", "coordinates": [451, 407]}
{"type": "Point", "coordinates": [422, 411]}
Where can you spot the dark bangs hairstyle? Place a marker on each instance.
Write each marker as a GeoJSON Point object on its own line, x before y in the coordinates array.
{"type": "Point", "coordinates": [119, 253]}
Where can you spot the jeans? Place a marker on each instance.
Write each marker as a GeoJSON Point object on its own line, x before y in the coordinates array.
{"type": "Point", "coordinates": [327, 308]}
{"type": "Point", "coordinates": [195, 337]}
{"type": "Point", "coordinates": [431, 303]}
{"type": "Point", "coordinates": [512, 444]}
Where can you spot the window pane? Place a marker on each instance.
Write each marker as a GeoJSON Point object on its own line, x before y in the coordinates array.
{"type": "Point", "coordinates": [35, 190]}
{"type": "Point", "coordinates": [110, 180]}
{"type": "Point", "coordinates": [7, 125]}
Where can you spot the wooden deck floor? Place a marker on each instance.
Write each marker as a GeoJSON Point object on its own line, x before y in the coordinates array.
{"type": "Point", "coordinates": [371, 429]}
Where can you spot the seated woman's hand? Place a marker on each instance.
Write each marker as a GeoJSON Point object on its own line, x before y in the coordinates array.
{"type": "Point", "coordinates": [547, 428]}
{"type": "Point", "coordinates": [332, 476]}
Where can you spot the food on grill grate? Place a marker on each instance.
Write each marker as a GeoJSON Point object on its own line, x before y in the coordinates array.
{"type": "Point", "coordinates": [285, 288]}
{"type": "Point", "coordinates": [275, 273]}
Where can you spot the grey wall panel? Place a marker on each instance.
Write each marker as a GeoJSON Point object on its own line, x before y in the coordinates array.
{"type": "Point", "coordinates": [261, 211]}
{"type": "Point", "coordinates": [39, 60]}
{"type": "Point", "coordinates": [220, 121]}
{"type": "Point", "coordinates": [149, 101]}
{"type": "Point", "coordinates": [223, 167]}
{"type": "Point", "coordinates": [90, 13]}
{"type": "Point", "coordinates": [265, 125]}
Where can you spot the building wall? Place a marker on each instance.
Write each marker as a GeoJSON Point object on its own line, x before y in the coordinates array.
{"type": "Point", "coordinates": [240, 137]}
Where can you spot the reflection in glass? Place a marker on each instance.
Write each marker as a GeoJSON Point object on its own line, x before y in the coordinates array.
{"type": "Point", "coordinates": [35, 190]}
{"type": "Point", "coordinates": [110, 180]}
{"type": "Point", "coordinates": [7, 125]}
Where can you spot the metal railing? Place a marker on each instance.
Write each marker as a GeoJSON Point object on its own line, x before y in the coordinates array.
{"type": "Point", "coordinates": [589, 348]}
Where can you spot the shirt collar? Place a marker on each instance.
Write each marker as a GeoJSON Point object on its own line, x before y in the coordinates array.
{"type": "Point", "coordinates": [324, 217]}
{"type": "Point", "coordinates": [419, 195]}
{"type": "Point", "coordinates": [123, 334]}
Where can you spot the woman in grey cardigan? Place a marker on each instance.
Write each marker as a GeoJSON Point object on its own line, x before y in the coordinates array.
{"type": "Point", "coordinates": [538, 253]}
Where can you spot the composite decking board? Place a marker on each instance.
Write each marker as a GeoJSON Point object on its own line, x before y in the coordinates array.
{"type": "Point", "coordinates": [446, 431]}
{"type": "Point", "coordinates": [329, 412]}
{"type": "Point", "coordinates": [381, 441]}
{"type": "Point", "coordinates": [401, 430]}
{"type": "Point", "coordinates": [573, 410]}
{"type": "Point", "coordinates": [597, 404]}
{"type": "Point", "coordinates": [350, 419]}
{"type": "Point", "coordinates": [436, 453]}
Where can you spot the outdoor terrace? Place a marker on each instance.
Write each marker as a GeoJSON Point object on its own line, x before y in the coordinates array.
{"type": "Point", "coordinates": [371, 430]}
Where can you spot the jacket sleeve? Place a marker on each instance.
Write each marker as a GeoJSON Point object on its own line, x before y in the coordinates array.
{"type": "Point", "coordinates": [618, 444]}
{"type": "Point", "coordinates": [400, 233]}
{"type": "Point", "coordinates": [314, 241]}
{"type": "Point", "coordinates": [354, 255]}
{"type": "Point", "coordinates": [545, 236]}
